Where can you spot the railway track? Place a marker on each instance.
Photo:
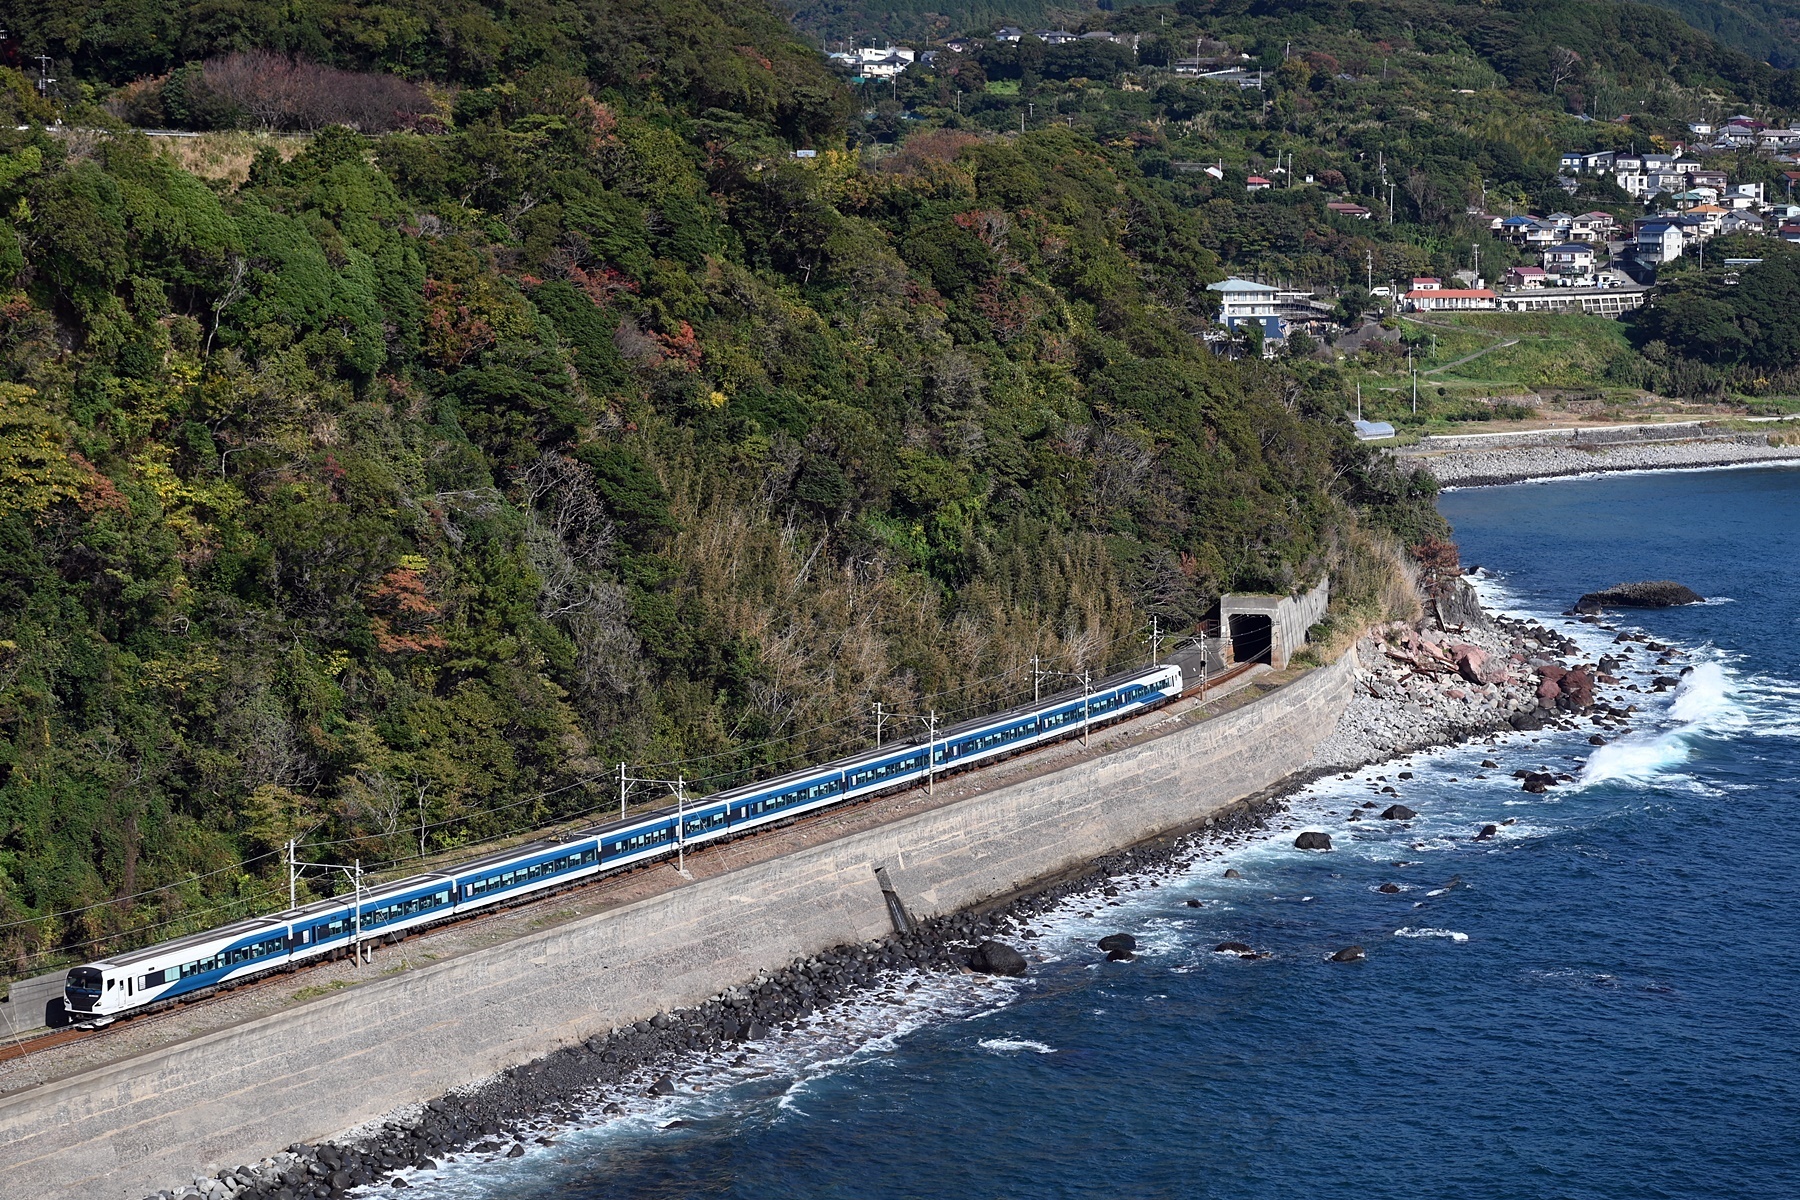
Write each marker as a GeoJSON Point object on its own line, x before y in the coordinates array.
{"type": "Point", "coordinates": [21, 1047]}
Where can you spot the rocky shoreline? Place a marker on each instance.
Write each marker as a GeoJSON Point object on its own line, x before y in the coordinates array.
{"type": "Point", "coordinates": [1520, 464]}
{"type": "Point", "coordinates": [1418, 686]}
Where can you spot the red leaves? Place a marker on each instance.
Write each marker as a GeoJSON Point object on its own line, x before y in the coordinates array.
{"type": "Point", "coordinates": [452, 330]}
{"type": "Point", "coordinates": [406, 614]}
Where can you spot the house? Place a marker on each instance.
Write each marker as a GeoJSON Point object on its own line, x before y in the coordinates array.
{"type": "Point", "coordinates": [1693, 199]}
{"type": "Point", "coordinates": [1243, 302]}
{"type": "Point", "coordinates": [1790, 232]}
{"type": "Point", "coordinates": [1700, 127]}
{"type": "Point", "coordinates": [1516, 229]}
{"type": "Point", "coordinates": [1099, 35]}
{"type": "Point", "coordinates": [1707, 218]}
{"type": "Point", "coordinates": [1008, 33]}
{"type": "Point", "coordinates": [1527, 277]}
{"type": "Point", "coordinates": [1592, 227]}
{"type": "Point", "coordinates": [1751, 193]}
{"type": "Point", "coordinates": [871, 62]}
{"type": "Point", "coordinates": [1425, 283]}
{"type": "Point", "coordinates": [1559, 222]}
{"type": "Point", "coordinates": [1344, 208]}
{"type": "Point", "coordinates": [1256, 183]}
{"type": "Point", "coordinates": [1716, 180]}
{"type": "Point", "coordinates": [1443, 299]}
{"type": "Point", "coordinates": [1054, 37]}
{"type": "Point", "coordinates": [1741, 222]}
{"type": "Point", "coordinates": [1659, 242]}
{"type": "Point", "coordinates": [1570, 258]}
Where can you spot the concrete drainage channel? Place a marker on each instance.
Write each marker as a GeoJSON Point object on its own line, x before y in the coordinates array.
{"type": "Point", "coordinates": [493, 1117]}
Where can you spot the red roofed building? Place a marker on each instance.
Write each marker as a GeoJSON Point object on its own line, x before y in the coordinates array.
{"type": "Point", "coordinates": [1256, 183]}
{"type": "Point", "coordinates": [1424, 283]}
{"type": "Point", "coordinates": [1443, 299]}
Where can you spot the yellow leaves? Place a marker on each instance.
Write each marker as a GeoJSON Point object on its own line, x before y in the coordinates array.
{"type": "Point", "coordinates": [35, 470]}
{"type": "Point", "coordinates": [189, 507]}
{"type": "Point", "coordinates": [716, 399]}
{"type": "Point", "coordinates": [176, 676]}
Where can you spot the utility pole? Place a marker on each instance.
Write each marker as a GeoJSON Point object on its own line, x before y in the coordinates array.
{"type": "Point", "coordinates": [1087, 692]}
{"type": "Point", "coordinates": [681, 826]}
{"type": "Point", "coordinates": [1415, 379]}
{"type": "Point", "coordinates": [621, 791]}
{"type": "Point", "coordinates": [1476, 247]}
{"type": "Point", "coordinates": [1037, 679]}
{"type": "Point", "coordinates": [879, 716]}
{"type": "Point", "coordinates": [930, 751]}
{"type": "Point", "coordinates": [1369, 265]}
{"type": "Point", "coordinates": [1359, 400]}
{"type": "Point", "coordinates": [293, 876]}
{"type": "Point", "coordinates": [1155, 637]}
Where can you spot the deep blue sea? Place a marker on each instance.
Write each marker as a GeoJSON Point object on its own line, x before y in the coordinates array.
{"type": "Point", "coordinates": [1600, 1003]}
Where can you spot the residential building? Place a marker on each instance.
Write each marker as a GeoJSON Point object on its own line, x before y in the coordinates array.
{"type": "Point", "coordinates": [1008, 33]}
{"type": "Point", "coordinates": [1570, 258]}
{"type": "Point", "coordinates": [1592, 227]}
{"type": "Point", "coordinates": [1256, 183]}
{"type": "Point", "coordinates": [872, 62]}
{"type": "Point", "coordinates": [1741, 221]}
{"type": "Point", "coordinates": [1243, 302]}
{"type": "Point", "coordinates": [1425, 283]}
{"type": "Point", "coordinates": [1752, 193]}
{"type": "Point", "coordinates": [1053, 37]}
{"type": "Point", "coordinates": [1344, 208]}
{"type": "Point", "coordinates": [1526, 277]}
{"type": "Point", "coordinates": [1442, 299]}
{"type": "Point", "coordinates": [1659, 242]}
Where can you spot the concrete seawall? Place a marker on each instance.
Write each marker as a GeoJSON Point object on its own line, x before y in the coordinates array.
{"type": "Point", "coordinates": [234, 1095]}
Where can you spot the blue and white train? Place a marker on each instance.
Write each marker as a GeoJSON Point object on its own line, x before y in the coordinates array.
{"type": "Point", "coordinates": [187, 966]}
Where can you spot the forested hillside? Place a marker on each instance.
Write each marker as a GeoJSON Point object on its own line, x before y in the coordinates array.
{"type": "Point", "coordinates": [398, 489]}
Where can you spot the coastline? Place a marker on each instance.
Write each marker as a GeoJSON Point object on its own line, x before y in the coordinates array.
{"type": "Point", "coordinates": [1417, 688]}
{"type": "Point", "coordinates": [1523, 464]}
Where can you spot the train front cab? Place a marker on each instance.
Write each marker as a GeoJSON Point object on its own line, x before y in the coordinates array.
{"type": "Point", "coordinates": [82, 991]}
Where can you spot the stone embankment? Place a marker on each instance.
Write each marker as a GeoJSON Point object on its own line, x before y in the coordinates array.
{"type": "Point", "coordinates": [499, 1117]}
{"type": "Point", "coordinates": [1482, 467]}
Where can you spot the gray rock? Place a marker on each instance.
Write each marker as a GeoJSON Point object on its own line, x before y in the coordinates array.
{"type": "Point", "coordinates": [1118, 941]}
{"type": "Point", "coordinates": [1655, 593]}
{"type": "Point", "coordinates": [997, 958]}
{"type": "Point", "coordinates": [1312, 839]}
{"type": "Point", "coordinates": [1232, 873]}
{"type": "Point", "coordinates": [1349, 954]}
{"type": "Point", "coordinates": [1397, 812]}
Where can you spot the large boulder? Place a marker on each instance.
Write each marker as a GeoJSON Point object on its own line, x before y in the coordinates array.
{"type": "Point", "coordinates": [1653, 593]}
{"type": "Point", "coordinates": [1349, 954]}
{"type": "Point", "coordinates": [1475, 664]}
{"type": "Point", "coordinates": [1118, 941]}
{"type": "Point", "coordinates": [997, 958]}
{"type": "Point", "coordinates": [1460, 606]}
{"type": "Point", "coordinates": [1312, 839]}
{"type": "Point", "coordinates": [1397, 812]}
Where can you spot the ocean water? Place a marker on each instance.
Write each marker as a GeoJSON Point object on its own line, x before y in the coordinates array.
{"type": "Point", "coordinates": [1599, 1002]}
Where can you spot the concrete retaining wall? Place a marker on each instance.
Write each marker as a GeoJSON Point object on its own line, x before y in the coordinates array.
{"type": "Point", "coordinates": [1586, 435]}
{"type": "Point", "coordinates": [234, 1095]}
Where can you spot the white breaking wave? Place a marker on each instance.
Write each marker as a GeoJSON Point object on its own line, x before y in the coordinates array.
{"type": "Point", "coordinates": [1410, 932]}
{"type": "Point", "coordinates": [1013, 1045]}
{"type": "Point", "coordinates": [1702, 700]}
{"type": "Point", "coordinates": [1703, 694]}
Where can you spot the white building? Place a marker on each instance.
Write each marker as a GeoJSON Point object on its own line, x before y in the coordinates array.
{"type": "Point", "coordinates": [1242, 302]}
{"type": "Point", "coordinates": [873, 62]}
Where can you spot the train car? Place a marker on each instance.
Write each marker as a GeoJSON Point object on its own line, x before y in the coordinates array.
{"type": "Point", "coordinates": [158, 973]}
{"type": "Point", "coordinates": [498, 878]}
{"type": "Point", "coordinates": [103, 990]}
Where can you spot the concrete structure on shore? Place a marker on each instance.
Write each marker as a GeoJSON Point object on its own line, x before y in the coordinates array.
{"type": "Point", "coordinates": [1271, 629]}
{"type": "Point", "coordinates": [233, 1095]}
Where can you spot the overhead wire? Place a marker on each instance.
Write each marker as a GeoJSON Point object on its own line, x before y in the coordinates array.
{"type": "Point", "coordinates": [812, 755]}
